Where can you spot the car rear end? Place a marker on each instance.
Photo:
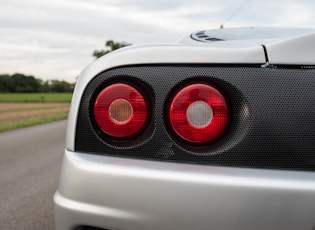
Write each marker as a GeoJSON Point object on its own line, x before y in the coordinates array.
{"type": "Point", "coordinates": [203, 134]}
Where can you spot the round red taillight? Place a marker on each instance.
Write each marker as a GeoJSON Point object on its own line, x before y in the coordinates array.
{"type": "Point", "coordinates": [198, 113]}
{"type": "Point", "coordinates": [120, 110]}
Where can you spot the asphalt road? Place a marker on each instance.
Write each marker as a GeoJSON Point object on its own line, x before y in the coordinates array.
{"type": "Point", "coordinates": [30, 163]}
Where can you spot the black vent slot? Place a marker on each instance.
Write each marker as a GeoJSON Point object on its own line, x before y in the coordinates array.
{"type": "Point", "coordinates": [203, 37]}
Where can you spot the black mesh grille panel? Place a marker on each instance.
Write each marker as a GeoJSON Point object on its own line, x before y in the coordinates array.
{"type": "Point", "coordinates": [272, 123]}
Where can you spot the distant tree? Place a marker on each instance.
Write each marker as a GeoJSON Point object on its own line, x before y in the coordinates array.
{"type": "Point", "coordinates": [23, 84]}
{"type": "Point", "coordinates": [60, 86]}
{"type": "Point", "coordinates": [19, 83]}
{"type": "Point", "coordinates": [5, 83]}
{"type": "Point", "coordinates": [111, 46]}
{"type": "Point", "coordinates": [34, 83]}
{"type": "Point", "coordinates": [45, 86]}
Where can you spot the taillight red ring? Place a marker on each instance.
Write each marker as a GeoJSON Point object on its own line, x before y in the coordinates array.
{"type": "Point", "coordinates": [198, 113]}
{"type": "Point", "coordinates": [120, 110]}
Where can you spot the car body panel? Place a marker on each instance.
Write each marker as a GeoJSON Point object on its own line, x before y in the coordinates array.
{"type": "Point", "coordinates": [299, 50]}
{"type": "Point", "coordinates": [119, 193]}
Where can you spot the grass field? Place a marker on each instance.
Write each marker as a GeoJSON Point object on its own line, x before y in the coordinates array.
{"type": "Point", "coordinates": [22, 110]}
{"type": "Point", "coordinates": [36, 97]}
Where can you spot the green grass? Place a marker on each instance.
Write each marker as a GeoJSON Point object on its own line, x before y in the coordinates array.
{"type": "Point", "coordinates": [32, 122]}
{"type": "Point", "coordinates": [36, 97]}
{"type": "Point", "coordinates": [22, 109]}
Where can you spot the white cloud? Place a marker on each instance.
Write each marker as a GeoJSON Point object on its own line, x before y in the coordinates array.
{"type": "Point", "coordinates": [296, 14]}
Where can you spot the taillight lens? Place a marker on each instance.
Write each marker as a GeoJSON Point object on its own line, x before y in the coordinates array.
{"type": "Point", "coordinates": [120, 110]}
{"type": "Point", "coordinates": [198, 113]}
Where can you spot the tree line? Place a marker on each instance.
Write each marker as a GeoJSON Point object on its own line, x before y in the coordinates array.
{"type": "Point", "coordinates": [20, 83]}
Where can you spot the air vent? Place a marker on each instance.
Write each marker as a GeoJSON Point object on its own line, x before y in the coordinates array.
{"type": "Point", "coordinates": [202, 36]}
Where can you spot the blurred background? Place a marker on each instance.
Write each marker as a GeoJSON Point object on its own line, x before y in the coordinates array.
{"type": "Point", "coordinates": [44, 44]}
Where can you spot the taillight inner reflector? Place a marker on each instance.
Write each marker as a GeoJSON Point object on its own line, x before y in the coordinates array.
{"type": "Point", "coordinates": [198, 113]}
{"type": "Point", "coordinates": [120, 110]}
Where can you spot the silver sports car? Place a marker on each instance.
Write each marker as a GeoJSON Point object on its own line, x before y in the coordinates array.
{"type": "Point", "coordinates": [214, 132]}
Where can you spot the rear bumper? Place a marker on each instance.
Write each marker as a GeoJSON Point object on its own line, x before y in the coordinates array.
{"type": "Point", "coordinates": [127, 194]}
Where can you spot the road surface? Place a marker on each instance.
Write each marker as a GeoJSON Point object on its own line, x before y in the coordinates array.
{"type": "Point", "coordinates": [30, 163]}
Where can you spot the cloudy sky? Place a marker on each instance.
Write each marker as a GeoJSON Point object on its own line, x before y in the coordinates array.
{"type": "Point", "coordinates": [55, 39]}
